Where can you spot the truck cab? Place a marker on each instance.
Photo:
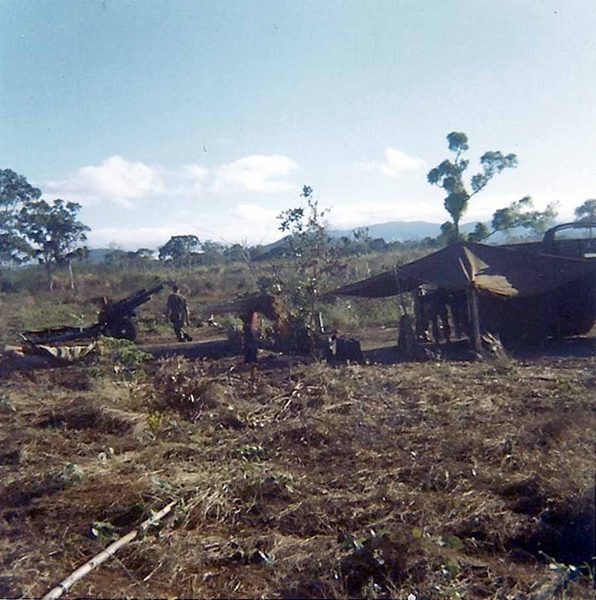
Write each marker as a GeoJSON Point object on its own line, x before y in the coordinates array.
{"type": "Point", "coordinates": [576, 240]}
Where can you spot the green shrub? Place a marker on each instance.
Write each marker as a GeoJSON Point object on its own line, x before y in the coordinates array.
{"type": "Point", "coordinates": [121, 359]}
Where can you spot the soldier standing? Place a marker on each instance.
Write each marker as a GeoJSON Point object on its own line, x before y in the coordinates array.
{"type": "Point", "coordinates": [422, 313]}
{"type": "Point", "coordinates": [177, 313]}
{"type": "Point", "coordinates": [438, 312]}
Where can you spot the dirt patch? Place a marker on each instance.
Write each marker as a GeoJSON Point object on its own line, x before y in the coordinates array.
{"type": "Point", "coordinates": [85, 414]}
{"type": "Point", "coordinates": [564, 532]}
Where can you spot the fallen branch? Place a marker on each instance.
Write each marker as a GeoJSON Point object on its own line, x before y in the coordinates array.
{"type": "Point", "coordinates": [83, 570]}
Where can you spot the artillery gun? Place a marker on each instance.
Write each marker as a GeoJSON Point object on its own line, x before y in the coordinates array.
{"type": "Point", "coordinates": [115, 320]}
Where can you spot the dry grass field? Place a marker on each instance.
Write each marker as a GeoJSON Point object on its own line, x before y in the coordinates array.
{"type": "Point", "coordinates": [442, 479]}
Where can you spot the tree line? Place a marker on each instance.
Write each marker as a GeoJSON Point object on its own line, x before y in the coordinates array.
{"type": "Point", "coordinates": [33, 229]}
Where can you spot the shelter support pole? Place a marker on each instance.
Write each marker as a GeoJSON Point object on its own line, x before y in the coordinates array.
{"type": "Point", "coordinates": [474, 318]}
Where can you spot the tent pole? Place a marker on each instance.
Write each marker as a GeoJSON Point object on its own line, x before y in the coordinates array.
{"type": "Point", "coordinates": [475, 341]}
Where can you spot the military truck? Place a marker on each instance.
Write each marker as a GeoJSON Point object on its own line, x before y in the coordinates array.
{"type": "Point", "coordinates": [576, 240]}
{"type": "Point", "coordinates": [571, 310]}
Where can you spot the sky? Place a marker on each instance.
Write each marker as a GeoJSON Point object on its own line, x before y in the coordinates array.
{"type": "Point", "coordinates": [175, 117]}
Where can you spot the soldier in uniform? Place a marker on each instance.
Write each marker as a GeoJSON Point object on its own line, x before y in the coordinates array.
{"type": "Point", "coordinates": [430, 308]}
{"type": "Point", "coordinates": [438, 312]}
{"type": "Point", "coordinates": [177, 313]}
{"type": "Point", "coordinates": [422, 313]}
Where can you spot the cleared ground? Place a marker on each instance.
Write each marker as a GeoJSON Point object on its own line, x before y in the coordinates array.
{"type": "Point", "coordinates": [443, 479]}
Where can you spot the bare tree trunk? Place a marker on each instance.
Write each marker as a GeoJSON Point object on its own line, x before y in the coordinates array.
{"type": "Point", "coordinates": [70, 275]}
{"type": "Point", "coordinates": [50, 276]}
{"type": "Point", "coordinates": [474, 318]}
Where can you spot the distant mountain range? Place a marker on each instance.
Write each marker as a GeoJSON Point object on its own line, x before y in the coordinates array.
{"type": "Point", "coordinates": [397, 231]}
{"type": "Point", "coordinates": [394, 231]}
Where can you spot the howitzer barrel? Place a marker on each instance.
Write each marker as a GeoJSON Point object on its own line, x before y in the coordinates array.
{"type": "Point", "coordinates": [128, 304]}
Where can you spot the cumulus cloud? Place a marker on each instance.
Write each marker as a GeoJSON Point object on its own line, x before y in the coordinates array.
{"type": "Point", "coordinates": [119, 181]}
{"type": "Point", "coordinates": [195, 175]}
{"type": "Point", "coordinates": [132, 238]}
{"type": "Point", "coordinates": [251, 213]}
{"type": "Point", "coordinates": [115, 180]}
{"type": "Point", "coordinates": [395, 163]}
{"type": "Point", "coordinates": [188, 193]}
{"type": "Point", "coordinates": [255, 173]}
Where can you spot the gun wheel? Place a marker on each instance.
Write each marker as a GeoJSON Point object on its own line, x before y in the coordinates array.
{"type": "Point", "coordinates": [124, 330]}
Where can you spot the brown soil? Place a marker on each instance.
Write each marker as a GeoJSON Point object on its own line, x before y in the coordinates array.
{"type": "Point", "coordinates": [442, 479]}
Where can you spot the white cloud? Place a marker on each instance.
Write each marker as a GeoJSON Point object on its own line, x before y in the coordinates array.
{"type": "Point", "coordinates": [131, 238]}
{"type": "Point", "coordinates": [253, 214]}
{"type": "Point", "coordinates": [121, 182]}
{"type": "Point", "coordinates": [195, 175]}
{"type": "Point", "coordinates": [395, 163]}
{"type": "Point", "coordinates": [121, 178]}
{"type": "Point", "coordinates": [252, 223]}
{"type": "Point", "coordinates": [255, 173]}
{"type": "Point", "coordinates": [115, 180]}
{"type": "Point", "coordinates": [244, 223]}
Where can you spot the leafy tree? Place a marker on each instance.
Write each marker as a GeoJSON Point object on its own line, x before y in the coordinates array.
{"type": "Point", "coordinates": [315, 256]}
{"type": "Point", "coordinates": [144, 253]}
{"type": "Point", "coordinates": [180, 249]}
{"type": "Point", "coordinates": [237, 253]}
{"type": "Point", "coordinates": [139, 259]}
{"type": "Point", "coordinates": [586, 212]}
{"type": "Point", "coordinates": [256, 252]}
{"type": "Point", "coordinates": [15, 193]}
{"type": "Point", "coordinates": [56, 234]}
{"type": "Point", "coordinates": [519, 214]}
{"type": "Point", "coordinates": [116, 257]}
{"type": "Point", "coordinates": [447, 233]}
{"type": "Point", "coordinates": [212, 252]}
{"type": "Point", "coordinates": [480, 233]}
{"type": "Point", "coordinates": [449, 175]}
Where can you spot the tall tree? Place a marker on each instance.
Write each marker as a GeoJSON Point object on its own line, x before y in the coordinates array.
{"type": "Point", "coordinates": [180, 249]}
{"type": "Point", "coordinates": [519, 214]}
{"type": "Point", "coordinates": [56, 233]}
{"type": "Point", "coordinates": [449, 175]}
{"type": "Point", "coordinates": [15, 193]}
{"type": "Point", "coordinates": [586, 212]}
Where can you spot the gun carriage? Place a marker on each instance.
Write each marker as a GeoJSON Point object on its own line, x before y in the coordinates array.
{"type": "Point", "coordinates": [115, 320]}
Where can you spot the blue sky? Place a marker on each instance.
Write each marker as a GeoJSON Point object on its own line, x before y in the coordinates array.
{"type": "Point", "coordinates": [167, 117]}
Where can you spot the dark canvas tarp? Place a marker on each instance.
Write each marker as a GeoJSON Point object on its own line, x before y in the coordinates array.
{"type": "Point", "coordinates": [496, 271]}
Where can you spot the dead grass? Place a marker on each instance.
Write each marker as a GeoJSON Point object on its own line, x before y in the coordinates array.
{"type": "Point", "coordinates": [441, 479]}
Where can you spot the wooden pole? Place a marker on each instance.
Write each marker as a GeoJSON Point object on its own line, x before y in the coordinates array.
{"type": "Point", "coordinates": [83, 570]}
{"type": "Point", "coordinates": [474, 317]}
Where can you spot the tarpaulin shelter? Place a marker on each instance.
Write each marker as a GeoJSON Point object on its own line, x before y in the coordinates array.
{"type": "Point", "coordinates": [492, 270]}
{"type": "Point", "coordinates": [477, 269]}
